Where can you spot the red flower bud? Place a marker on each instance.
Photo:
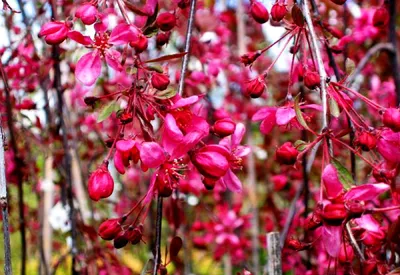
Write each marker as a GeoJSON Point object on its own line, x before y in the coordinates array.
{"type": "Point", "coordinates": [391, 119]}
{"type": "Point", "coordinates": [381, 18]}
{"type": "Point", "coordinates": [137, 234]}
{"type": "Point", "coordinates": [211, 161]}
{"type": "Point", "coordinates": [101, 184]}
{"type": "Point", "coordinates": [297, 16]}
{"type": "Point", "coordinates": [278, 11]}
{"type": "Point", "coordinates": [366, 140]}
{"type": "Point", "coordinates": [209, 184]}
{"type": "Point", "coordinates": [297, 245]}
{"type": "Point", "coordinates": [54, 32]}
{"type": "Point", "coordinates": [286, 154]}
{"type": "Point", "coordinates": [87, 13]}
{"type": "Point", "coordinates": [311, 79]}
{"type": "Point", "coordinates": [26, 104]}
{"type": "Point", "coordinates": [141, 44]}
{"type": "Point", "coordinates": [346, 254]}
{"type": "Point", "coordinates": [109, 229]}
{"type": "Point", "coordinates": [162, 38]}
{"type": "Point", "coordinates": [382, 174]}
{"type": "Point", "coordinates": [122, 238]}
{"type": "Point", "coordinates": [160, 81]}
{"type": "Point", "coordinates": [166, 21]}
{"type": "Point", "coordinates": [313, 221]}
{"type": "Point", "coordinates": [255, 87]}
{"type": "Point", "coordinates": [259, 12]}
{"type": "Point", "coordinates": [248, 58]}
{"type": "Point", "coordinates": [334, 214]}
{"type": "Point", "coordinates": [355, 208]}
{"type": "Point", "coordinates": [224, 127]}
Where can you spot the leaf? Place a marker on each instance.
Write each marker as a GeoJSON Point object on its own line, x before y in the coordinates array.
{"type": "Point", "coordinates": [344, 175]}
{"type": "Point", "coordinates": [150, 31]}
{"type": "Point", "coordinates": [300, 145]}
{"type": "Point", "coordinates": [131, 70]}
{"type": "Point", "coordinates": [166, 94]}
{"type": "Point", "coordinates": [155, 68]}
{"type": "Point", "coordinates": [166, 57]}
{"type": "Point", "coordinates": [176, 245]}
{"type": "Point", "coordinates": [299, 114]}
{"type": "Point", "coordinates": [350, 66]}
{"type": "Point", "coordinates": [107, 110]}
{"type": "Point", "coordinates": [334, 108]}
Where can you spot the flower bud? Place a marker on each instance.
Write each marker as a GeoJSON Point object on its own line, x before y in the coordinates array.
{"type": "Point", "coordinates": [248, 58]}
{"type": "Point", "coordinates": [383, 174]}
{"type": "Point", "coordinates": [259, 12]}
{"type": "Point", "coordinates": [297, 16]}
{"type": "Point", "coordinates": [278, 11]}
{"type": "Point", "coordinates": [162, 38]}
{"type": "Point", "coordinates": [381, 18]}
{"type": "Point", "coordinates": [311, 80]}
{"type": "Point", "coordinates": [346, 253]}
{"type": "Point", "coordinates": [391, 119]}
{"type": "Point", "coordinates": [109, 229]}
{"type": "Point", "coordinates": [255, 87]}
{"type": "Point", "coordinates": [54, 32]}
{"type": "Point", "coordinates": [26, 104]}
{"type": "Point", "coordinates": [313, 222]}
{"type": "Point", "coordinates": [101, 184]}
{"type": "Point", "coordinates": [211, 161]}
{"type": "Point", "coordinates": [91, 100]}
{"type": "Point", "coordinates": [166, 21]}
{"type": "Point", "coordinates": [355, 208]}
{"type": "Point", "coordinates": [141, 44]}
{"type": "Point", "coordinates": [87, 13]}
{"type": "Point", "coordinates": [209, 184]}
{"type": "Point", "coordinates": [122, 238]}
{"type": "Point", "coordinates": [160, 81]}
{"type": "Point", "coordinates": [334, 214]}
{"type": "Point", "coordinates": [137, 234]}
{"type": "Point", "coordinates": [224, 127]}
{"type": "Point", "coordinates": [366, 140]}
{"type": "Point", "coordinates": [297, 245]}
{"type": "Point", "coordinates": [286, 154]}
{"type": "Point", "coordinates": [339, 2]}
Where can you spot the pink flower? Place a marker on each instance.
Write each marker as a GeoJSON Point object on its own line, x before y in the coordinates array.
{"type": "Point", "coordinates": [235, 158]}
{"type": "Point", "coordinates": [87, 13]}
{"type": "Point", "coordinates": [88, 67]}
{"type": "Point", "coordinates": [389, 146]}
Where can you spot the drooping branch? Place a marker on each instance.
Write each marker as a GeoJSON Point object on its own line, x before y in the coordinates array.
{"type": "Point", "coordinates": [18, 162]}
{"type": "Point", "coordinates": [4, 207]}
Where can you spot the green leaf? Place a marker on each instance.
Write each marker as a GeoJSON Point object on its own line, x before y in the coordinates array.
{"type": "Point", "coordinates": [155, 68]}
{"type": "Point", "coordinates": [166, 94]}
{"type": "Point", "coordinates": [107, 110]}
{"type": "Point", "coordinates": [300, 145]}
{"type": "Point", "coordinates": [344, 175]}
{"type": "Point", "coordinates": [299, 114]}
{"type": "Point", "coordinates": [350, 66]}
{"type": "Point", "coordinates": [334, 108]}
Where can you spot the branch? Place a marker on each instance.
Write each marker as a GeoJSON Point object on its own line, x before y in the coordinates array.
{"type": "Point", "coordinates": [4, 207]}
{"type": "Point", "coordinates": [378, 47]}
{"type": "Point", "coordinates": [157, 255]}
{"type": "Point", "coordinates": [187, 46]}
{"type": "Point", "coordinates": [274, 254]}
{"type": "Point", "coordinates": [320, 63]}
{"type": "Point", "coordinates": [393, 40]}
{"type": "Point", "coordinates": [18, 163]}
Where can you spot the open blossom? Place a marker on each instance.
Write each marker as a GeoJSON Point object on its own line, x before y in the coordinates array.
{"type": "Point", "coordinates": [88, 67]}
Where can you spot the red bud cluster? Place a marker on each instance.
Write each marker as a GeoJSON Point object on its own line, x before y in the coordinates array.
{"type": "Point", "coordinates": [286, 154]}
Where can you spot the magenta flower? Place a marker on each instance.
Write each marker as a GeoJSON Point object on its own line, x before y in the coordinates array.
{"type": "Point", "coordinates": [88, 67]}
{"type": "Point", "coordinates": [235, 158]}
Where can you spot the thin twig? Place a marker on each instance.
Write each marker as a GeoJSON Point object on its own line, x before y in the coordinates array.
{"type": "Point", "coordinates": [157, 252]}
{"type": "Point", "coordinates": [354, 243]}
{"type": "Point", "coordinates": [18, 163]}
{"type": "Point", "coordinates": [378, 47]}
{"type": "Point", "coordinates": [4, 207]}
{"type": "Point", "coordinates": [187, 46]}
{"type": "Point", "coordinates": [393, 40]}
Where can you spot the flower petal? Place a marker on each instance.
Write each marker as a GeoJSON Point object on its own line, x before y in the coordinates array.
{"type": "Point", "coordinates": [366, 192]}
{"type": "Point", "coordinates": [88, 68]}
{"type": "Point", "coordinates": [151, 154]}
{"type": "Point", "coordinates": [331, 239]}
{"type": "Point", "coordinates": [232, 182]}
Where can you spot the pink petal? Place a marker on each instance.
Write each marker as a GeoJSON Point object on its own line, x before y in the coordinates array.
{"type": "Point", "coordinates": [331, 238]}
{"type": "Point", "coordinates": [150, 7]}
{"type": "Point", "coordinates": [366, 192]}
{"type": "Point", "coordinates": [263, 113]}
{"type": "Point", "coordinates": [268, 124]}
{"type": "Point", "coordinates": [232, 182]}
{"type": "Point", "coordinates": [88, 68]}
{"type": "Point", "coordinates": [332, 185]}
{"type": "Point", "coordinates": [112, 59]}
{"type": "Point", "coordinates": [284, 115]}
{"type": "Point", "coordinates": [238, 135]}
{"type": "Point", "coordinates": [125, 145]}
{"type": "Point", "coordinates": [123, 34]}
{"type": "Point", "coordinates": [185, 102]}
{"type": "Point", "coordinates": [368, 223]}
{"type": "Point", "coordinates": [172, 135]}
{"type": "Point", "coordinates": [151, 154]}
{"type": "Point", "coordinates": [119, 163]}
{"type": "Point", "coordinates": [80, 38]}
{"type": "Point", "coordinates": [389, 146]}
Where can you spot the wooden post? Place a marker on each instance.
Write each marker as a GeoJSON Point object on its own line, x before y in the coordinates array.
{"type": "Point", "coordinates": [274, 254]}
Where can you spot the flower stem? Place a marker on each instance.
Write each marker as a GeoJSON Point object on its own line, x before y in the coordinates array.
{"type": "Point", "coordinates": [157, 249]}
